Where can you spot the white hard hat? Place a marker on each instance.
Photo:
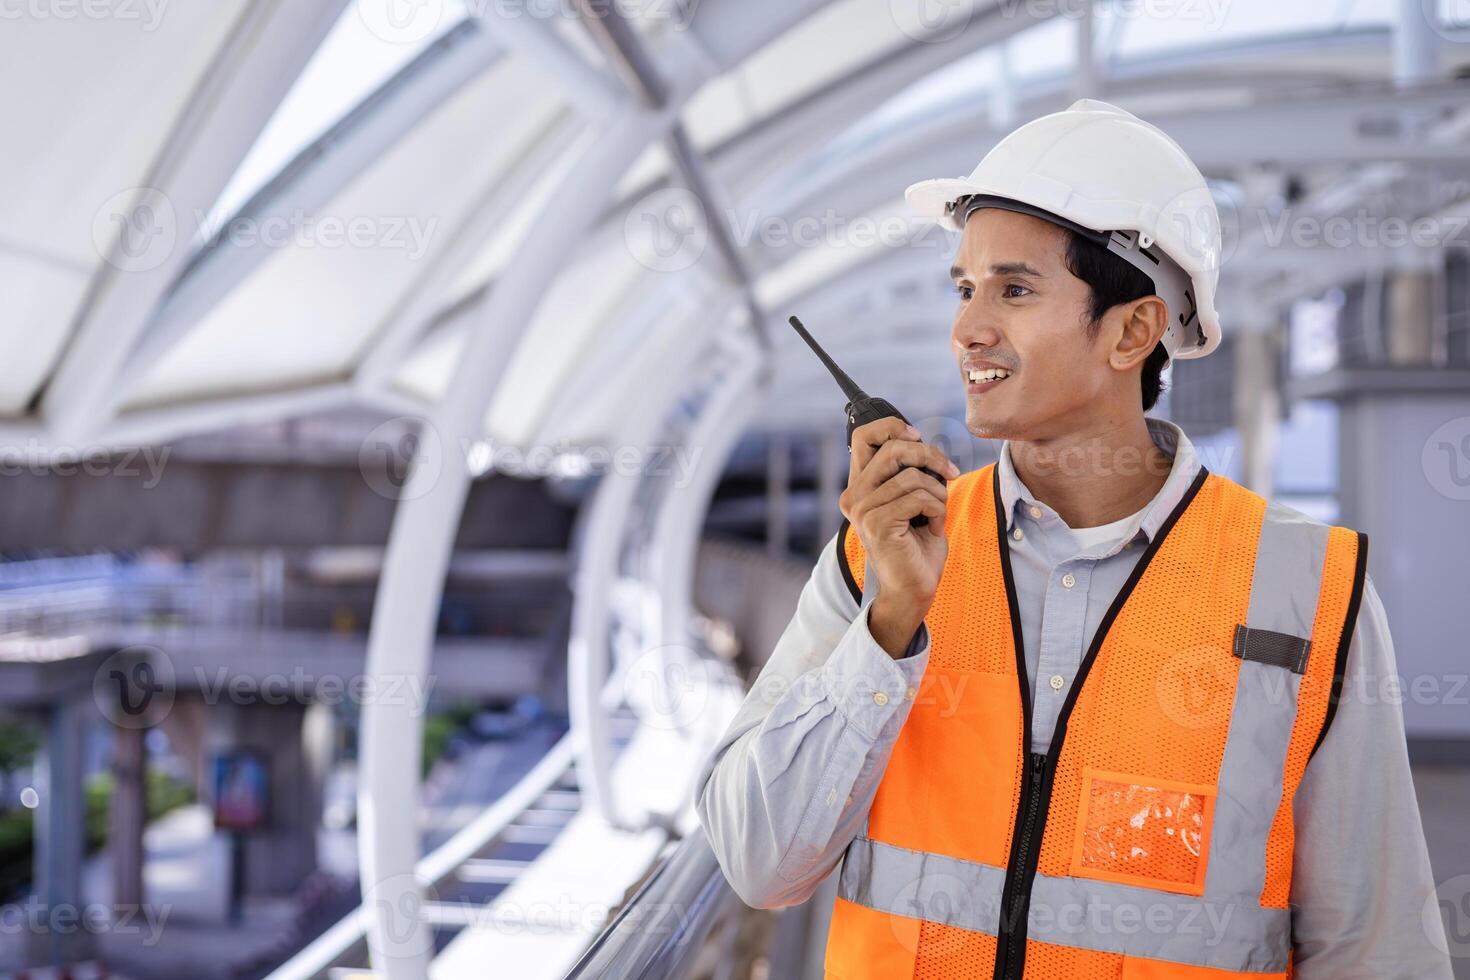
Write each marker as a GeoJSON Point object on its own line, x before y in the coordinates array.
{"type": "Point", "coordinates": [1117, 180]}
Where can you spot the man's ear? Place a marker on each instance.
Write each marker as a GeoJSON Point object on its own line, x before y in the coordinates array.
{"type": "Point", "coordinates": [1144, 322]}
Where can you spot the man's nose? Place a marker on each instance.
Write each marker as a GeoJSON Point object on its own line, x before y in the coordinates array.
{"type": "Point", "coordinates": [975, 330]}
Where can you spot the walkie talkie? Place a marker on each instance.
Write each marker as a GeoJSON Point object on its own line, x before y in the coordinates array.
{"type": "Point", "coordinates": [861, 407]}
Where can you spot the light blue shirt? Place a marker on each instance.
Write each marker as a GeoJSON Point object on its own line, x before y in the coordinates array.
{"type": "Point", "coordinates": [790, 782]}
{"type": "Point", "coordinates": [1063, 592]}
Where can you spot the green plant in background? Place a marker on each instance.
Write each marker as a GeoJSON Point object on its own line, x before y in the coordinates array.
{"type": "Point", "coordinates": [18, 746]}
{"type": "Point", "coordinates": [17, 838]}
{"type": "Point", "coordinates": [439, 727]}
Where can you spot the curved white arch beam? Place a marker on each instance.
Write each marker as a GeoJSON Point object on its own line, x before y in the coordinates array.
{"type": "Point", "coordinates": [421, 539]}
{"type": "Point", "coordinates": [722, 420]}
{"type": "Point", "coordinates": [602, 526]}
{"type": "Point", "coordinates": [254, 70]}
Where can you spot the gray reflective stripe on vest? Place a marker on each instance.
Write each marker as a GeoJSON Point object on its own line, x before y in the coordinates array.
{"type": "Point", "coordinates": [1108, 917]}
{"type": "Point", "coordinates": [1285, 587]}
{"type": "Point", "coordinates": [922, 885]}
{"type": "Point", "coordinates": [1077, 912]}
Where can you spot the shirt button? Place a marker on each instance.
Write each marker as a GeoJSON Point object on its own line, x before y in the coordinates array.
{"type": "Point", "coordinates": [1056, 682]}
{"type": "Point", "coordinates": [1069, 580]}
{"type": "Point", "coordinates": [1017, 534]}
{"type": "Point", "coordinates": [909, 694]}
{"type": "Point", "coordinates": [880, 697]}
{"type": "Point", "coordinates": [1035, 511]}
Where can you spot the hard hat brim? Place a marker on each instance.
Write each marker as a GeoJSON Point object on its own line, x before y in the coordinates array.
{"type": "Point", "coordinates": [931, 198]}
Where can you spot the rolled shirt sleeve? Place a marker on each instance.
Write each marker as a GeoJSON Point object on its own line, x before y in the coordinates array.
{"type": "Point", "coordinates": [789, 784]}
{"type": "Point", "coordinates": [1361, 879]}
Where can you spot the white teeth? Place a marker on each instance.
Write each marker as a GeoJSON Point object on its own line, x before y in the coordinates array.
{"type": "Point", "coordinates": [989, 374]}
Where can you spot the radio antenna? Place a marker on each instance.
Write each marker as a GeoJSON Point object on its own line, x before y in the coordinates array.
{"type": "Point", "coordinates": [849, 387]}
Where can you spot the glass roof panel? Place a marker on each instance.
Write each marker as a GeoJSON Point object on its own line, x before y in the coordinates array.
{"type": "Point", "coordinates": [358, 55]}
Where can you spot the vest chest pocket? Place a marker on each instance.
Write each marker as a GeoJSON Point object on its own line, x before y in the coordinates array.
{"type": "Point", "coordinates": [1136, 830]}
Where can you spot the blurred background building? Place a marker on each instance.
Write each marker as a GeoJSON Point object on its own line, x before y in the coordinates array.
{"type": "Point", "coordinates": [406, 464]}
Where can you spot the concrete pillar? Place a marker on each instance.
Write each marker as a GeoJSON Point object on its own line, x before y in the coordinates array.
{"type": "Point", "coordinates": [280, 856]}
{"type": "Point", "coordinates": [127, 814]}
{"type": "Point", "coordinates": [778, 495]}
{"type": "Point", "coordinates": [272, 572]}
{"type": "Point", "coordinates": [57, 935]}
{"type": "Point", "coordinates": [187, 725]}
{"type": "Point", "coordinates": [1410, 326]}
{"type": "Point", "coordinates": [1415, 43]}
{"type": "Point", "coordinates": [1257, 407]}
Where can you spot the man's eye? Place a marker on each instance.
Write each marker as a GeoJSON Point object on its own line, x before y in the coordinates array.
{"type": "Point", "coordinates": [1014, 285]}
{"type": "Point", "coordinates": [966, 292]}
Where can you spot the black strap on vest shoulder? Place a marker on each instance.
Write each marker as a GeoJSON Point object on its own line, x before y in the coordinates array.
{"type": "Point", "coordinates": [1271, 647]}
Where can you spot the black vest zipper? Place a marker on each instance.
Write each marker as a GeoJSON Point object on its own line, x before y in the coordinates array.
{"type": "Point", "coordinates": [1010, 950]}
{"type": "Point", "coordinates": [1020, 899]}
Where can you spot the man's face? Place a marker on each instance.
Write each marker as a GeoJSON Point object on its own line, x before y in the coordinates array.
{"type": "Point", "coordinates": [1021, 309]}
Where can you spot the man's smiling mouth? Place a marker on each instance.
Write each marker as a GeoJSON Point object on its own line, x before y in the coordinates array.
{"type": "Point", "coordinates": [982, 379]}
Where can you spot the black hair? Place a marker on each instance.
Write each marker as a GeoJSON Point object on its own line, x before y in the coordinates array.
{"type": "Point", "coordinates": [1112, 280]}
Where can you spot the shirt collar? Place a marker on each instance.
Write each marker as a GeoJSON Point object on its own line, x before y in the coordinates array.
{"type": "Point", "coordinates": [1165, 434]}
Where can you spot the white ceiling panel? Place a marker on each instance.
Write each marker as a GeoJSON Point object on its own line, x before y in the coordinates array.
{"type": "Point", "coordinates": [88, 101]}
{"type": "Point", "coordinates": [308, 311]}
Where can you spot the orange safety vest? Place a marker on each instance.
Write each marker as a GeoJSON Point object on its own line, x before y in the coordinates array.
{"type": "Point", "coordinates": [1154, 839]}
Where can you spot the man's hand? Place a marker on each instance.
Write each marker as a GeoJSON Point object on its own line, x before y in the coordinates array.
{"type": "Point", "coordinates": [879, 500]}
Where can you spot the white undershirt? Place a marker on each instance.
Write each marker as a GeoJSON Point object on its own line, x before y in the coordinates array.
{"type": "Point", "coordinates": [1090, 538]}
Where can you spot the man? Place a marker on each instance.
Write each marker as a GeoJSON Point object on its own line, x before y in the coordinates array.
{"type": "Point", "coordinates": [1104, 717]}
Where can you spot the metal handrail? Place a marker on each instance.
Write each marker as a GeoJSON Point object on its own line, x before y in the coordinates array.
{"type": "Point", "coordinates": [657, 933]}
{"type": "Point", "coordinates": [338, 942]}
